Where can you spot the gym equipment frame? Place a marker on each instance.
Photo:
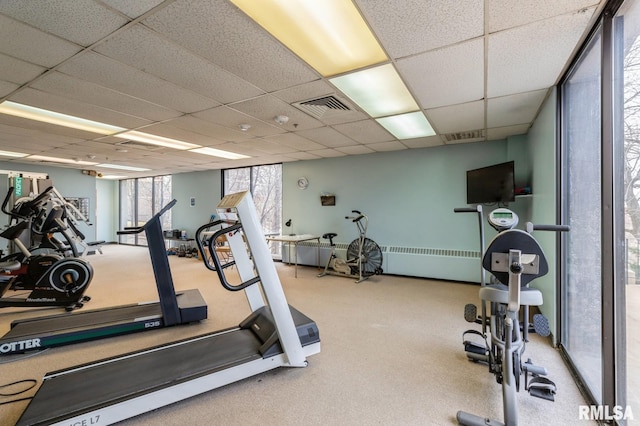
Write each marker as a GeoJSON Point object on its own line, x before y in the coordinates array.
{"type": "Point", "coordinates": [274, 335]}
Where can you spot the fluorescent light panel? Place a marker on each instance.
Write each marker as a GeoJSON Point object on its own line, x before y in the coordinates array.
{"type": "Point", "coordinates": [52, 117]}
{"type": "Point", "coordinates": [156, 140]}
{"type": "Point", "coordinates": [407, 126]}
{"type": "Point", "coordinates": [378, 91]}
{"type": "Point", "coordinates": [122, 167]}
{"type": "Point", "coordinates": [12, 154]}
{"type": "Point", "coordinates": [113, 177]}
{"type": "Point", "coordinates": [329, 35]}
{"type": "Point", "coordinates": [219, 153]}
{"type": "Point", "coordinates": [60, 160]}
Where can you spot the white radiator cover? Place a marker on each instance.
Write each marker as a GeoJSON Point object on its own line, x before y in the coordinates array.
{"type": "Point", "coordinates": [446, 264]}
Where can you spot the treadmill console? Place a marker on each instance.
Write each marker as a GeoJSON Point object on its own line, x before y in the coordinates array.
{"type": "Point", "coordinates": [502, 219]}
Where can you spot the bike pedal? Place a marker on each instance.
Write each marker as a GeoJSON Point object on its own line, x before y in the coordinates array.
{"type": "Point", "coordinates": [541, 325]}
{"type": "Point", "coordinates": [474, 348]}
{"type": "Point", "coordinates": [541, 387]}
{"type": "Point", "coordinates": [470, 312]}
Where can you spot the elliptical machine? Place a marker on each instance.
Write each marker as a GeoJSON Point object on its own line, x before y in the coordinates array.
{"type": "Point", "coordinates": [514, 258]}
{"type": "Point", "coordinates": [51, 279]}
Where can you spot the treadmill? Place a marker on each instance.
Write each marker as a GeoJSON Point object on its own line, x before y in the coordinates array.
{"type": "Point", "coordinates": [274, 335]}
{"type": "Point", "coordinates": [172, 309]}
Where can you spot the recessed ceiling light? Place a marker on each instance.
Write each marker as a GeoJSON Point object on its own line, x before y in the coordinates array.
{"type": "Point", "coordinates": [219, 153]}
{"type": "Point", "coordinates": [122, 167]}
{"type": "Point", "coordinates": [407, 126]}
{"type": "Point", "coordinates": [329, 35]}
{"type": "Point", "coordinates": [60, 160]}
{"type": "Point", "coordinates": [12, 154]}
{"type": "Point", "coordinates": [52, 117]}
{"type": "Point", "coordinates": [378, 91]}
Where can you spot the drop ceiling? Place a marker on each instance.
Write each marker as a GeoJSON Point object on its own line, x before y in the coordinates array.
{"type": "Point", "coordinates": [196, 70]}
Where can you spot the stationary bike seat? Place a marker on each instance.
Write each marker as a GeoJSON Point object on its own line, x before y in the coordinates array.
{"type": "Point", "coordinates": [329, 235]}
{"type": "Point", "coordinates": [499, 293]}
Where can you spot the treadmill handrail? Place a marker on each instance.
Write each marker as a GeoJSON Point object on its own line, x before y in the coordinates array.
{"type": "Point", "coordinates": [139, 229]}
{"type": "Point", "coordinates": [217, 266]}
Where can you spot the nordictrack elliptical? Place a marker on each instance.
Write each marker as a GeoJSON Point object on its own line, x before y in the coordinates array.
{"type": "Point", "coordinates": [51, 279]}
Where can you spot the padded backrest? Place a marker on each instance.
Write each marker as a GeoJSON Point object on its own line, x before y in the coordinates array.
{"type": "Point", "coordinates": [518, 240]}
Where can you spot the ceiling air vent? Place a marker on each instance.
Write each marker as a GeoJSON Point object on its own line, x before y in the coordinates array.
{"type": "Point", "coordinates": [464, 136]}
{"type": "Point", "coordinates": [139, 145]}
{"type": "Point", "coordinates": [324, 107]}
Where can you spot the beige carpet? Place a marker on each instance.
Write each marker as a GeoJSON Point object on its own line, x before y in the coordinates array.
{"type": "Point", "coordinates": [391, 352]}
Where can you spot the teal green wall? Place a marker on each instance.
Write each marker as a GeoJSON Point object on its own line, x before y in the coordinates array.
{"type": "Point", "coordinates": [542, 146]}
{"type": "Point", "coordinates": [205, 187]}
{"type": "Point", "coordinates": [408, 195]}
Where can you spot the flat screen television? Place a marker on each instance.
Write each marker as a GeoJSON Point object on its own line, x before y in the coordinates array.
{"type": "Point", "coordinates": [492, 184]}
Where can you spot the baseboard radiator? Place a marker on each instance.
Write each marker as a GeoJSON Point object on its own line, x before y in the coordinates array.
{"type": "Point", "coordinates": [447, 264]}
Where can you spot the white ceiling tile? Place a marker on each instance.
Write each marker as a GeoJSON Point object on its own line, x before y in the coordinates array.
{"type": "Point", "coordinates": [386, 146]}
{"type": "Point", "coordinates": [355, 150]}
{"type": "Point", "coordinates": [457, 118]}
{"type": "Point", "coordinates": [502, 14]}
{"type": "Point", "coordinates": [328, 153]}
{"type": "Point", "coordinates": [531, 57]}
{"type": "Point", "coordinates": [327, 136]}
{"type": "Point", "coordinates": [303, 156]}
{"type": "Point", "coordinates": [133, 9]}
{"type": "Point", "coordinates": [504, 132]}
{"type": "Point", "coordinates": [24, 42]}
{"type": "Point", "coordinates": [16, 71]}
{"type": "Point", "coordinates": [92, 93]}
{"type": "Point", "coordinates": [423, 142]}
{"type": "Point", "coordinates": [232, 119]}
{"type": "Point", "coordinates": [120, 77]}
{"type": "Point", "coordinates": [366, 131]}
{"type": "Point", "coordinates": [515, 109]}
{"type": "Point", "coordinates": [205, 129]}
{"type": "Point", "coordinates": [295, 141]}
{"type": "Point", "coordinates": [267, 107]}
{"type": "Point", "coordinates": [407, 27]}
{"type": "Point", "coordinates": [265, 145]}
{"type": "Point", "coordinates": [220, 32]}
{"type": "Point", "coordinates": [6, 88]}
{"type": "Point", "coordinates": [452, 75]}
{"type": "Point", "coordinates": [145, 50]}
{"type": "Point", "coordinates": [81, 21]}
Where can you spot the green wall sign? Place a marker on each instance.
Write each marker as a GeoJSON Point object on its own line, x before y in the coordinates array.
{"type": "Point", "coordinates": [18, 187]}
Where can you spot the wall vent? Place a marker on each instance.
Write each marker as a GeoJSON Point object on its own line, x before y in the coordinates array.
{"type": "Point", "coordinates": [464, 136]}
{"type": "Point", "coordinates": [139, 145]}
{"type": "Point", "coordinates": [324, 107]}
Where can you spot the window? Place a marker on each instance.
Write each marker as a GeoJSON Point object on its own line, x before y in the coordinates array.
{"type": "Point", "coordinates": [581, 296]}
{"type": "Point", "coordinates": [265, 185]}
{"type": "Point", "coordinates": [140, 199]}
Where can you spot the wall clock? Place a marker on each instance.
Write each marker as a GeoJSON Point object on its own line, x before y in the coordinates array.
{"type": "Point", "coordinates": [303, 183]}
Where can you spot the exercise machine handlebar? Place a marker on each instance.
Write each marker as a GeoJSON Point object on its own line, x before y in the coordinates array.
{"type": "Point", "coordinates": [154, 218]}
{"type": "Point", "coordinates": [27, 208]}
{"type": "Point", "coordinates": [557, 228]}
{"type": "Point", "coordinates": [477, 209]}
{"type": "Point", "coordinates": [217, 266]}
{"type": "Point", "coordinates": [357, 218]}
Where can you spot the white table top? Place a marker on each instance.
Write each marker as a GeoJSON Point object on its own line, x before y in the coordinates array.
{"type": "Point", "coordinates": [292, 238]}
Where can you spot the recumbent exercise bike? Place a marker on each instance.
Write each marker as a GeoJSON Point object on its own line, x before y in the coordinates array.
{"type": "Point", "coordinates": [514, 258]}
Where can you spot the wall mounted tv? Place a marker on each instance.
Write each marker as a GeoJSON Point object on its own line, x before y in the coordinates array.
{"type": "Point", "coordinates": [492, 184]}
